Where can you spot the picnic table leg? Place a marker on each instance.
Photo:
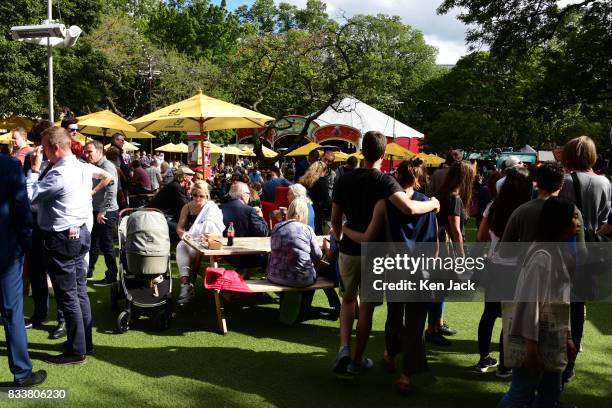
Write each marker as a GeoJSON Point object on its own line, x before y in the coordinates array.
{"type": "Point", "coordinates": [220, 312]}
{"type": "Point", "coordinates": [219, 304]}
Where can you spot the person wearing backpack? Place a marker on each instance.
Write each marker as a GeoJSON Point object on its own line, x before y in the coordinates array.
{"type": "Point", "coordinates": [591, 193]}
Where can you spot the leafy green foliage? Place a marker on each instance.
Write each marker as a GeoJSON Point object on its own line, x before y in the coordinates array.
{"type": "Point", "coordinates": [198, 28]}
{"type": "Point", "coordinates": [546, 78]}
{"type": "Point", "coordinates": [551, 71]}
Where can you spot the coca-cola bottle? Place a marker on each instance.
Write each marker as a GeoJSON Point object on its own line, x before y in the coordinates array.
{"type": "Point", "coordinates": [230, 234]}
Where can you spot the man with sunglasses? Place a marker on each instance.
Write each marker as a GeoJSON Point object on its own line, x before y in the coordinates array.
{"type": "Point", "coordinates": [70, 124]}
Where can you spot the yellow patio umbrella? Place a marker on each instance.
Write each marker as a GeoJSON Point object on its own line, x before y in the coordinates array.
{"type": "Point", "coordinates": [436, 160]}
{"type": "Point", "coordinates": [127, 147]}
{"type": "Point", "coordinates": [430, 160]}
{"type": "Point", "coordinates": [425, 157]}
{"type": "Point", "coordinates": [397, 151]}
{"type": "Point", "coordinates": [358, 155]}
{"type": "Point", "coordinates": [304, 150]}
{"type": "Point", "coordinates": [180, 148]}
{"type": "Point", "coordinates": [105, 123]}
{"type": "Point", "coordinates": [16, 121]}
{"type": "Point", "coordinates": [215, 149]}
{"type": "Point", "coordinates": [6, 138]}
{"type": "Point", "coordinates": [248, 153]}
{"type": "Point", "coordinates": [340, 156]}
{"type": "Point", "coordinates": [82, 139]}
{"type": "Point", "coordinates": [233, 150]}
{"type": "Point", "coordinates": [201, 113]}
{"type": "Point", "coordinates": [266, 151]}
{"type": "Point", "coordinates": [168, 148]}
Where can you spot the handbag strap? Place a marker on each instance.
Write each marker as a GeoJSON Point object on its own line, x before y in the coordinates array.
{"type": "Point", "coordinates": [577, 191]}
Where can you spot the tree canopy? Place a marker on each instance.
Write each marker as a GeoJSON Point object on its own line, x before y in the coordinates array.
{"type": "Point", "coordinates": [552, 66]}
{"type": "Point", "coordinates": [545, 77]}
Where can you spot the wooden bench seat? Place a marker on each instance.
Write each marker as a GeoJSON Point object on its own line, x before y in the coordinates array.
{"type": "Point", "coordinates": [263, 286]}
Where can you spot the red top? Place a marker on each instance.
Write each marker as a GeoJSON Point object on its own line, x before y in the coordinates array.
{"type": "Point", "coordinates": [141, 177]}
{"type": "Point", "coordinates": [76, 147]}
{"type": "Point", "coordinates": [21, 153]}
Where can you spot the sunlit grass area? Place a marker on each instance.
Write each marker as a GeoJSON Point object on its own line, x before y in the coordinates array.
{"type": "Point", "coordinates": [262, 362]}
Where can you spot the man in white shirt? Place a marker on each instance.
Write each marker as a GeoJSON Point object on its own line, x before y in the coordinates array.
{"type": "Point", "coordinates": [64, 199]}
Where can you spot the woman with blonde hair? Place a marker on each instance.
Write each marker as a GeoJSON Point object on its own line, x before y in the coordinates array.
{"type": "Point", "coordinates": [294, 249]}
{"type": "Point", "coordinates": [318, 189]}
{"type": "Point", "coordinates": [199, 216]}
{"type": "Point", "coordinates": [299, 191]}
{"type": "Point", "coordinates": [166, 172]}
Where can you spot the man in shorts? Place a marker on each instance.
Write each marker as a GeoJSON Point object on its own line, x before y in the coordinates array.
{"type": "Point", "coordinates": [355, 196]}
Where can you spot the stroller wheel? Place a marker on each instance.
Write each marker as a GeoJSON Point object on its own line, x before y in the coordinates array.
{"type": "Point", "coordinates": [114, 294]}
{"type": "Point", "coordinates": [123, 322]}
{"type": "Point", "coordinates": [162, 319]}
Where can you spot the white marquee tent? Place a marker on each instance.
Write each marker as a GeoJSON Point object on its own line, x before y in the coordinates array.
{"type": "Point", "coordinates": [352, 112]}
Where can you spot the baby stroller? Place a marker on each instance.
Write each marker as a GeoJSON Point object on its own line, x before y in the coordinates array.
{"type": "Point", "coordinates": [145, 276]}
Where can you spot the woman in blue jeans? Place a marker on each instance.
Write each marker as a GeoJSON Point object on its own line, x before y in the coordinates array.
{"type": "Point", "coordinates": [455, 196]}
{"type": "Point", "coordinates": [539, 325]}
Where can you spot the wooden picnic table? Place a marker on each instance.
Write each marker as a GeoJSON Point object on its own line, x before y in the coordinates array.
{"type": "Point", "coordinates": [248, 246]}
{"type": "Point", "coordinates": [242, 246]}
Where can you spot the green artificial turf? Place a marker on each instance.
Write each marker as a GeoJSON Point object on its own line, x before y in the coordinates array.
{"type": "Point", "coordinates": [262, 363]}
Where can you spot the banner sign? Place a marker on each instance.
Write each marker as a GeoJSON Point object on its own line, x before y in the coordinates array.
{"type": "Point", "coordinates": [337, 132]}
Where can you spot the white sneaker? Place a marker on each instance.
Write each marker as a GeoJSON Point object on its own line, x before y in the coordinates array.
{"type": "Point", "coordinates": [187, 293]}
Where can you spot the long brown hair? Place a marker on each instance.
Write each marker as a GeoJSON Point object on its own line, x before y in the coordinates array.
{"type": "Point", "coordinates": [516, 190]}
{"type": "Point", "coordinates": [410, 173]}
{"type": "Point", "coordinates": [460, 179]}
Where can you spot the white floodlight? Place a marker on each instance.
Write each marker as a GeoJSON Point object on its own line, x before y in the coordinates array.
{"type": "Point", "coordinates": [49, 33]}
{"type": "Point", "coordinates": [38, 31]}
{"type": "Point", "coordinates": [71, 36]}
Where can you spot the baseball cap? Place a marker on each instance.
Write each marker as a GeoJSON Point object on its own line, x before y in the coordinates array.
{"type": "Point", "coordinates": [184, 170]}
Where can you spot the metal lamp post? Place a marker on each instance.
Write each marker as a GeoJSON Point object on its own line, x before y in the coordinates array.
{"type": "Point", "coordinates": [50, 34]}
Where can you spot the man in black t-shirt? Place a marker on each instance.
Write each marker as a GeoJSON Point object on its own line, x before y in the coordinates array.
{"type": "Point", "coordinates": [355, 196]}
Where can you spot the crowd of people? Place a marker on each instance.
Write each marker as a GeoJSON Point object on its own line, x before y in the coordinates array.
{"type": "Point", "coordinates": [61, 202]}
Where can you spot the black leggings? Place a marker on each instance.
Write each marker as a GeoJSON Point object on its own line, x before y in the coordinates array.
{"type": "Point", "coordinates": [491, 312]}
{"type": "Point", "coordinates": [404, 333]}
{"type": "Point", "coordinates": [577, 317]}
